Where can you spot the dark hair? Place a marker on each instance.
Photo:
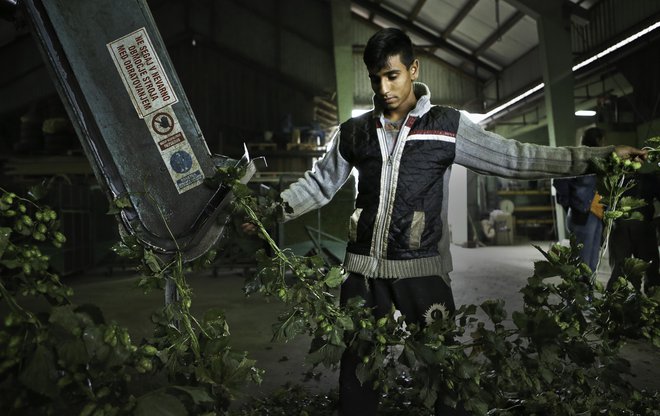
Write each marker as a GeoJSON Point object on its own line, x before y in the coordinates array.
{"type": "Point", "coordinates": [593, 137]}
{"type": "Point", "coordinates": [386, 43]}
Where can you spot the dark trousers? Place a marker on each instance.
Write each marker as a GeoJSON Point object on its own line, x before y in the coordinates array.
{"type": "Point", "coordinates": [417, 299]}
{"type": "Point", "coordinates": [634, 238]}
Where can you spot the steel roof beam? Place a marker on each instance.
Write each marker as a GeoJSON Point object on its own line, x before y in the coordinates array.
{"type": "Point", "coordinates": [436, 40]}
{"type": "Point", "coordinates": [495, 36]}
{"type": "Point", "coordinates": [459, 18]}
{"type": "Point", "coordinates": [415, 11]}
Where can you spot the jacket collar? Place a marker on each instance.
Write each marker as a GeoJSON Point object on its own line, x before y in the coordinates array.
{"type": "Point", "coordinates": [423, 95]}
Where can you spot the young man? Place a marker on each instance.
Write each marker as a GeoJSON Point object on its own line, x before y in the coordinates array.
{"type": "Point", "coordinates": [398, 249]}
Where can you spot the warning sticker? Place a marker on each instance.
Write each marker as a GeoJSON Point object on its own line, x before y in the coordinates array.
{"type": "Point", "coordinates": [175, 149]}
{"type": "Point", "coordinates": [170, 141]}
{"type": "Point", "coordinates": [142, 72]}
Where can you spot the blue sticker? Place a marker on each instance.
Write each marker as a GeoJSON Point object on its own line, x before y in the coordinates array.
{"type": "Point", "coordinates": [181, 161]}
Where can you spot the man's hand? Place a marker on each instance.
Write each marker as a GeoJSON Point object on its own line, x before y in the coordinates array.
{"type": "Point", "coordinates": [249, 228]}
{"type": "Point", "coordinates": [629, 152]}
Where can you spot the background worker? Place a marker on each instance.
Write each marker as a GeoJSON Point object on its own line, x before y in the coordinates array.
{"type": "Point", "coordinates": [580, 199]}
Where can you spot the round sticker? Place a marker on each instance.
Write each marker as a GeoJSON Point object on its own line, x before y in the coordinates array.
{"type": "Point", "coordinates": [181, 161]}
{"type": "Point", "coordinates": [162, 123]}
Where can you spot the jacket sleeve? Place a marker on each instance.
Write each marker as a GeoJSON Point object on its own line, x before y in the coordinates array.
{"type": "Point", "coordinates": [489, 153]}
{"type": "Point", "coordinates": [318, 185]}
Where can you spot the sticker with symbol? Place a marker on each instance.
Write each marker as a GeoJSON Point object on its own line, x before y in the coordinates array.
{"type": "Point", "coordinates": [162, 123]}
{"type": "Point", "coordinates": [181, 161]}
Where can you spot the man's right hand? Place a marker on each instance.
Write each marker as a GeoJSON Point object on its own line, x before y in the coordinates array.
{"type": "Point", "coordinates": [629, 152]}
{"type": "Point", "coordinates": [249, 228]}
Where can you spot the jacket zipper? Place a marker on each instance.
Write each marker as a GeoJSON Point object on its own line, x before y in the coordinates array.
{"type": "Point", "coordinates": [384, 219]}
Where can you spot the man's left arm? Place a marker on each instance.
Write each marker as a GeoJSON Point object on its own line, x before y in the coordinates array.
{"type": "Point", "coordinates": [489, 153]}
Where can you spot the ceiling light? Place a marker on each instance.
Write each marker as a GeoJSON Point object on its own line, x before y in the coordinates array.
{"type": "Point", "coordinates": [585, 113]}
{"type": "Point", "coordinates": [356, 112]}
{"type": "Point", "coordinates": [474, 117]}
{"type": "Point", "coordinates": [513, 101]}
{"type": "Point", "coordinates": [584, 63]}
{"type": "Point", "coordinates": [616, 46]}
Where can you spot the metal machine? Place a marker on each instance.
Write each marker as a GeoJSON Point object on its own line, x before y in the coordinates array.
{"type": "Point", "coordinates": [136, 126]}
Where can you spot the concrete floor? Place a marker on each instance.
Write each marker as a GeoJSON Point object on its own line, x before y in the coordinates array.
{"type": "Point", "coordinates": [479, 274]}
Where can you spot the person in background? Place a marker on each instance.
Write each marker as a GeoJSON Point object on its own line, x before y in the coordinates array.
{"type": "Point", "coordinates": [580, 199]}
{"type": "Point", "coordinates": [637, 238]}
{"type": "Point", "coordinates": [398, 243]}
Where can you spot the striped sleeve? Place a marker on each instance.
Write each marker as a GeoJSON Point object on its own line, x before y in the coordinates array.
{"type": "Point", "coordinates": [489, 153]}
{"type": "Point", "coordinates": [318, 185]}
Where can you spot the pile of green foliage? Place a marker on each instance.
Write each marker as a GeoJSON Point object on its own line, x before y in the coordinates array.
{"type": "Point", "coordinates": [560, 355]}
{"type": "Point", "coordinates": [65, 359]}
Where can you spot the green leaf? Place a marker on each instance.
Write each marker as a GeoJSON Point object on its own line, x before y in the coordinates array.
{"type": "Point", "coordinates": [65, 317]}
{"type": "Point", "coordinates": [546, 374]}
{"type": "Point", "coordinates": [476, 406]}
{"type": "Point", "coordinates": [581, 353]}
{"type": "Point", "coordinates": [345, 322]}
{"type": "Point", "coordinates": [93, 338]}
{"type": "Point", "coordinates": [429, 395]}
{"type": "Point", "coordinates": [327, 354]}
{"type": "Point", "coordinates": [37, 192]}
{"type": "Point", "coordinates": [633, 269]}
{"type": "Point", "coordinates": [252, 285]}
{"type": "Point", "coordinates": [362, 373]}
{"type": "Point", "coordinates": [159, 404]}
{"type": "Point", "coordinates": [407, 357]}
{"type": "Point", "coordinates": [521, 320]}
{"type": "Point", "coordinates": [88, 409]}
{"type": "Point", "coordinates": [11, 264]}
{"type": "Point", "coordinates": [113, 210]}
{"type": "Point", "coordinates": [336, 337]}
{"type": "Point", "coordinates": [72, 352]}
{"type": "Point", "coordinates": [40, 374]}
{"type": "Point", "coordinates": [288, 328]}
{"type": "Point", "coordinates": [199, 394]}
{"type": "Point", "coordinates": [543, 269]}
{"type": "Point", "coordinates": [123, 202]}
{"type": "Point", "coordinates": [334, 277]}
{"type": "Point", "coordinates": [494, 309]}
{"type": "Point", "coordinates": [467, 370]}
{"type": "Point", "coordinates": [4, 239]}
{"type": "Point", "coordinates": [151, 261]}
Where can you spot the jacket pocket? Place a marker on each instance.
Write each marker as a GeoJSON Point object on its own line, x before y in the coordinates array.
{"type": "Point", "coordinates": [416, 229]}
{"type": "Point", "coordinates": [352, 226]}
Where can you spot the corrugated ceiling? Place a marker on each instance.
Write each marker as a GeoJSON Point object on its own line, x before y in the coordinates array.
{"type": "Point", "coordinates": [487, 34]}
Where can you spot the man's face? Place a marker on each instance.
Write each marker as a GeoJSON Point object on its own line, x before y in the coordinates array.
{"type": "Point", "coordinates": [392, 85]}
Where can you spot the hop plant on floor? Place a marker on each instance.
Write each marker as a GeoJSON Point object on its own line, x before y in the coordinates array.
{"type": "Point", "coordinates": [561, 355]}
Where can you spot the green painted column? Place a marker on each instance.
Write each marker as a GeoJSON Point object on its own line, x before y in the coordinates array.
{"type": "Point", "coordinates": [343, 52]}
{"type": "Point", "coordinates": [557, 63]}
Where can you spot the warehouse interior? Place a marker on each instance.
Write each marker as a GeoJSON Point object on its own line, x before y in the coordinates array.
{"type": "Point", "coordinates": [273, 79]}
